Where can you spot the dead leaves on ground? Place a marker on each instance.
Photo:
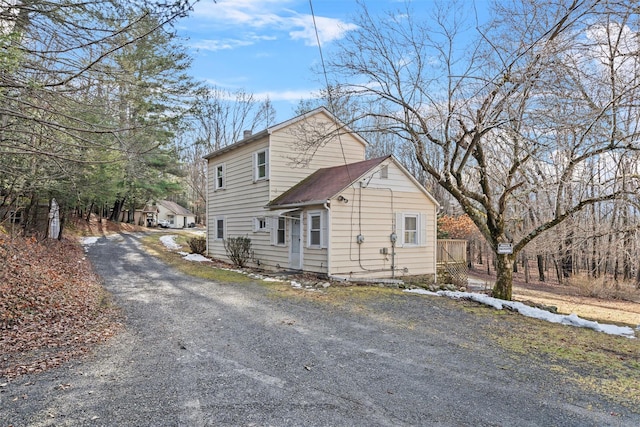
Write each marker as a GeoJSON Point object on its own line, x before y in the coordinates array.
{"type": "Point", "coordinates": [52, 307]}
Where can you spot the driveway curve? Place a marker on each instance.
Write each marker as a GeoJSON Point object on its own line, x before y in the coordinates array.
{"type": "Point", "coordinates": [198, 353]}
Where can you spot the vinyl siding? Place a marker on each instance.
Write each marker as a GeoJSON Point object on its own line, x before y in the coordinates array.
{"type": "Point", "coordinates": [371, 211]}
{"type": "Point", "coordinates": [240, 201]}
{"type": "Point", "coordinates": [290, 165]}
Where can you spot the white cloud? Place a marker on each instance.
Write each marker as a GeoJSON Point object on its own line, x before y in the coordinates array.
{"type": "Point", "coordinates": [227, 44]}
{"type": "Point", "coordinates": [329, 29]}
{"type": "Point", "coordinates": [215, 45]}
{"type": "Point", "coordinates": [270, 16]}
{"type": "Point", "coordinates": [287, 95]}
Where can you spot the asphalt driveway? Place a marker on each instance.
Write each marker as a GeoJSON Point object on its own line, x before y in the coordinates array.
{"type": "Point", "coordinates": [197, 353]}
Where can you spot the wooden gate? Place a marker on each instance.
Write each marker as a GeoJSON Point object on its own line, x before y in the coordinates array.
{"type": "Point", "coordinates": [452, 262]}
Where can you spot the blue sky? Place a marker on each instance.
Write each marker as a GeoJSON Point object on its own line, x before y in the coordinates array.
{"type": "Point", "coordinates": [268, 47]}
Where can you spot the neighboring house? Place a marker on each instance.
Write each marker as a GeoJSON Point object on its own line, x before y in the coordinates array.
{"type": "Point", "coordinates": [332, 213]}
{"type": "Point", "coordinates": [176, 215]}
{"type": "Point", "coordinates": [147, 216]}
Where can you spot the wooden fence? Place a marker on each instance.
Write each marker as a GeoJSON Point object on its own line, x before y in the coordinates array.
{"type": "Point", "coordinates": [452, 262]}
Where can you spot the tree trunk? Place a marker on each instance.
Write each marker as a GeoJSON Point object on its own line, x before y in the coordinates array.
{"type": "Point", "coordinates": [504, 281]}
{"type": "Point", "coordinates": [540, 267]}
{"type": "Point", "coordinates": [89, 211]}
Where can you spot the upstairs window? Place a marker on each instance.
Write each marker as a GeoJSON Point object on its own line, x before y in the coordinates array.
{"type": "Point", "coordinates": [220, 176]}
{"type": "Point", "coordinates": [261, 165]}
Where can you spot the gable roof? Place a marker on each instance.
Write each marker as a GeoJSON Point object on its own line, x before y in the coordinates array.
{"type": "Point", "coordinates": [175, 208]}
{"type": "Point", "coordinates": [268, 131]}
{"type": "Point", "coordinates": [324, 183]}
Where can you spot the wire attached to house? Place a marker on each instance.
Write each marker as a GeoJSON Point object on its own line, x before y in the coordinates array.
{"type": "Point", "coordinates": [326, 80]}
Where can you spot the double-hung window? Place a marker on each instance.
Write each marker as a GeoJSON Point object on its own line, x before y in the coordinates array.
{"type": "Point", "coordinates": [280, 231]}
{"type": "Point", "coordinates": [316, 229]}
{"type": "Point", "coordinates": [220, 177]}
{"type": "Point", "coordinates": [261, 165]}
{"type": "Point", "coordinates": [220, 228]}
{"type": "Point", "coordinates": [411, 229]}
{"type": "Point", "coordinates": [278, 225]}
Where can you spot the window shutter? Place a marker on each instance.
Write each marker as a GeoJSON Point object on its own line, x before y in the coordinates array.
{"type": "Point", "coordinates": [399, 229]}
{"type": "Point", "coordinates": [306, 232]}
{"type": "Point", "coordinates": [273, 229]}
{"type": "Point", "coordinates": [324, 229]}
{"type": "Point", "coordinates": [255, 224]}
{"type": "Point", "coordinates": [266, 164]}
{"type": "Point", "coordinates": [422, 230]}
{"type": "Point", "coordinates": [255, 167]}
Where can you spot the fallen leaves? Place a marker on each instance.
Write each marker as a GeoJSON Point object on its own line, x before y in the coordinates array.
{"type": "Point", "coordinates": [52, 307]}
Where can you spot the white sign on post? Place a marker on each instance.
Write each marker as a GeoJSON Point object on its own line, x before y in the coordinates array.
{"type": "Point", "coordinates": [505, 248]}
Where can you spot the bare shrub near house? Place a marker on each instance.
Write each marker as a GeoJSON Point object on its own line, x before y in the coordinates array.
{"type": "Point", "coordinates": [198, 245]}
{"type": "Point", "coordinates": [238, 250]}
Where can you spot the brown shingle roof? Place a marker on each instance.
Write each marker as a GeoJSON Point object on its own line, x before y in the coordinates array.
{"type": "Point", "coordinates": [325, 183]}
{"type": "Point", "coordinates": [175, 208]}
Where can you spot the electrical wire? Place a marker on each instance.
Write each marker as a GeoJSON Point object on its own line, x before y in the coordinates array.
{"type": "Point", "coordinates": [330, 107]}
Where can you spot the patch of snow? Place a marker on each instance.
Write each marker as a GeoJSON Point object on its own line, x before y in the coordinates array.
{"type": "Point", "coordinates": [271, 279]}
{"type": "Point", "coordinates": [537, 313]}
{"type": "Point", "coordinates": [170, 241]}
{"type": "Point", "coordinates": [196, 258]}
{"type": "Point", "coordinates": [88, 241]}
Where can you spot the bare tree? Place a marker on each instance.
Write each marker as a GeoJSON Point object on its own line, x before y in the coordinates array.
{"type": "Point", "coordinates": [219, 118]}
{"type": "Point", "coordinates": [502, 122]}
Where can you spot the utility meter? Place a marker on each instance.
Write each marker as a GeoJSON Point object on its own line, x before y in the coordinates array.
{"type": "Point", "coordinates": [393, 237]}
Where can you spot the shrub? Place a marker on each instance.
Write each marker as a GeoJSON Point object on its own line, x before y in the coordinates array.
{"type": "Point", "coordinates": [198, 245]}
{"type": "Point", "coordinates": [238, 250]}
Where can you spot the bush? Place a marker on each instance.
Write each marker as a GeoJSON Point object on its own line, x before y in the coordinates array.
{"type": "Point", "coordinates": [198, 245]}
{"type": "Point", "coordinates": [238, 250]}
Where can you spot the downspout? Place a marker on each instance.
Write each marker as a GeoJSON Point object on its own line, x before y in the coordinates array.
{"type": "Point", "coordinates": [328, 208]}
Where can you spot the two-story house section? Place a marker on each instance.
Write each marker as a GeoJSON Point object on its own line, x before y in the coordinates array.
{"type": "Point", "coordinates": [325, 210]}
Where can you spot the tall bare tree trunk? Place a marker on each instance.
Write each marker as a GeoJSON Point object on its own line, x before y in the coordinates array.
{"type": "Point", "coordinates": [504, 268]}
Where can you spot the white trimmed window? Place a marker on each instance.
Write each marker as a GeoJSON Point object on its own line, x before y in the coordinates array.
{"type": "Point", "coordinates": [317, 229]}
{"type": "Point", "coordinates": [411, 229]}
{"type": "Point", "coordinates": [260, 224]}
{"type": "Point", "coordinates": [261, 165]}
{"type": "Point", "coordinates": [410, 232]}
{"type": "Point", "coordinates": [278, 230]}
{"type": "Point", "coordinates": [221, 228]}
{"type": "Point", "coordinates": [220, 176]}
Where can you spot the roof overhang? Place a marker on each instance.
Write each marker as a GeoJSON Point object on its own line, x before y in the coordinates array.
{"type": "Point", "coordinates": [296, 206]}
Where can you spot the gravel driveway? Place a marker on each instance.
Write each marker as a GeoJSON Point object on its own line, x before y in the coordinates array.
{"type": "Point", "coordinates": [198, 353]}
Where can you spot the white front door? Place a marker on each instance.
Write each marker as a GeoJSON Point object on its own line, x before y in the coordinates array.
{"type": "Point", "coordinates": [296, 246]}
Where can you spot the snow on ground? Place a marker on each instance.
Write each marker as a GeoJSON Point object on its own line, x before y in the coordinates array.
{"type": "Point", "coordinates": [537, 313]}
{"type": "Point", "coordinates": [89, 240]}
{"type": "Point", "coordinates": [170, 241]}
{"type": "Point", "coordinates": [196, 258]}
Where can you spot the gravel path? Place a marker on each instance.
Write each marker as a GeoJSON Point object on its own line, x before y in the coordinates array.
{"type": "Point", "coordinates": [198, 353]}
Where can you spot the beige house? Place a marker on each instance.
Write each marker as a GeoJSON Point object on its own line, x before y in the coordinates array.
{"type": "Point", "coordinates": [331, 213]}
{"type": "Point", "coordinates": [176, 215]}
